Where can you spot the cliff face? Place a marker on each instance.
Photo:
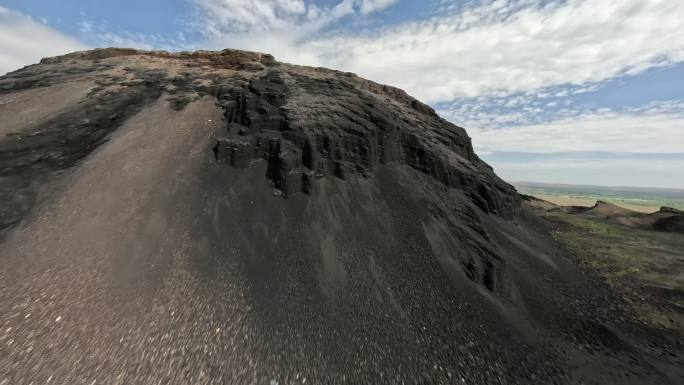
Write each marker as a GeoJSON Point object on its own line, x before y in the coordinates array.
{"type": "Point", "coordinates": [312, 123]}
{"type": "Point", "coordinates": [220, 216]}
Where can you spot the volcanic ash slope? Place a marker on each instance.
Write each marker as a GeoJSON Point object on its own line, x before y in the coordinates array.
{"type": "Point", "coordinates": [220, 217]}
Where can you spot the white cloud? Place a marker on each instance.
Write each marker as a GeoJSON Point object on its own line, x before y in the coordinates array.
{"type": "Point", "coordinates": [502, 47]}
{"type": "Point", "coordinates": [491, 47]}
{"type": "Point", "coordinates": [102, 35]}
{"type": "Point", "coordinates": [24, 41]}
{"type": "Point", "coordinates": [271, 26]}
{"type": "Point", "coordinates": [370, 6]}
{"type": "Point", "coordinates": [278, 27]}
{"type": "Point", "coordinates": [655, 128]}
{"type": "Point", "coordinates": [296, 18]}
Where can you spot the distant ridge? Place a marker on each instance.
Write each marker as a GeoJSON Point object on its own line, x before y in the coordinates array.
{"type": "Point", "coordinates": [679, 191]}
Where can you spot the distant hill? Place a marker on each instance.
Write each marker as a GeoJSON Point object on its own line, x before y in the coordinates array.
{"type": "Point", "coordinates": [623, 196]}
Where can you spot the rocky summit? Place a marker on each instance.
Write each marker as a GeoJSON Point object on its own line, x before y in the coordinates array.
{"type": "Point", "coordinates": [224, 218]}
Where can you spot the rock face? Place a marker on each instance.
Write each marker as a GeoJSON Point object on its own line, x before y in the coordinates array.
{"type": "Point", "coordinates": [312, 124]}
{"type": "Point", "coordinates": [221, 217]}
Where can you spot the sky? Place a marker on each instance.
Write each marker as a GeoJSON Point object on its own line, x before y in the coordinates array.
{"type": "Point", "coordinates": [556, 91]}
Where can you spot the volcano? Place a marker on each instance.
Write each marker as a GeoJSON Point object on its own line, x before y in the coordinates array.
{"type": "Point", "coordinates": [224, 218]}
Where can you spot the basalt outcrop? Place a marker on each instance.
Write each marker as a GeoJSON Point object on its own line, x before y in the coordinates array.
{"type": "Point", "coordinates": [333, 125]}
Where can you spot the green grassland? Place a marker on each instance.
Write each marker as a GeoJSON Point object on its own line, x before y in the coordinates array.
{"type": "Point", "coordinates": [647, 266]}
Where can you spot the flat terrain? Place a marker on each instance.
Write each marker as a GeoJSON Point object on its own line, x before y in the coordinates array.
{"type": "Point", "coordinates": [646, 200]}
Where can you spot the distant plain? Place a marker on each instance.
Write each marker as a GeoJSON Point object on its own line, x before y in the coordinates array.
{"type": "Point", "coordinates": [645, 200]}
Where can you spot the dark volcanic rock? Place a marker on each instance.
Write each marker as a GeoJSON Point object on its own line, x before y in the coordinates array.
{"type": "Point", "coordinates": [671, 223]}
{"type": "Point", "coordinates": [667, 219]}
{"type": "Point", "coordinates": [220, 217]}
{"type": "Point", "coordinates": [335, 125]}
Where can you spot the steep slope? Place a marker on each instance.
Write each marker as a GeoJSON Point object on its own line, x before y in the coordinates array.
{"type": "Point", "coordinates": [220, 217]}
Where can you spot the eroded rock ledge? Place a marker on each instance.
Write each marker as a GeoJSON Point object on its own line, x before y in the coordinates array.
{"type": "Point", "coordinates": [312, 123]}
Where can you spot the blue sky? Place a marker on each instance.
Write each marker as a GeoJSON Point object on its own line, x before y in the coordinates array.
{"type": "Point", "coordinates": [562, 91]}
